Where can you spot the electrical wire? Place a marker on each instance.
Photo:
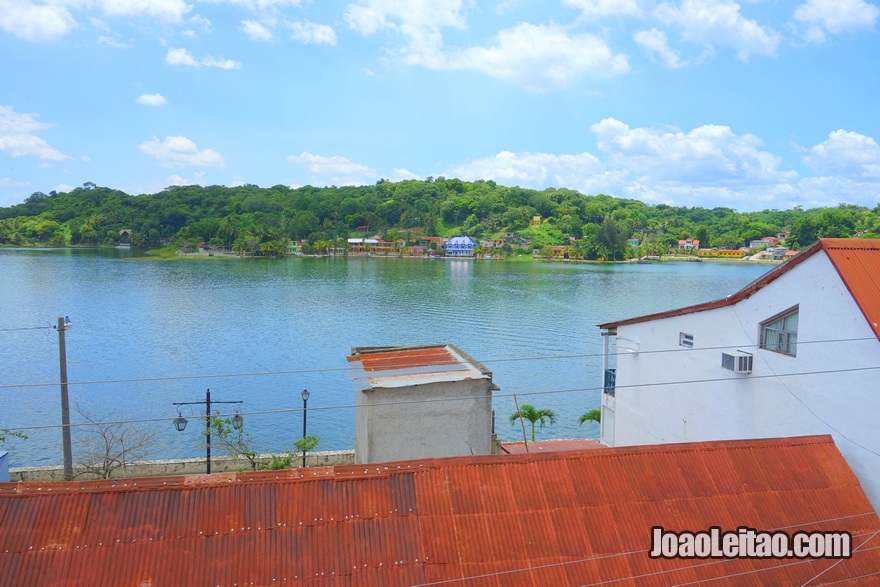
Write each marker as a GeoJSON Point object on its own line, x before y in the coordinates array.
{"type": "Point", "coordinates": [665, 571]}
{"type": "Point", "coordinates": [349, 369]}
{"type": "Point", "coordinates": [27, 328]}
{"type": "Point", "coordinates": [450, 399]}
{"type": "Point", "coordinates": [855, 550]}
{"type": "Point", "coordinates": [800, 401]}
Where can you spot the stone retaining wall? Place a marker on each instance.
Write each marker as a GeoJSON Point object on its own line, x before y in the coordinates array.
{"type": "Point", "coordinates": [219, 464]}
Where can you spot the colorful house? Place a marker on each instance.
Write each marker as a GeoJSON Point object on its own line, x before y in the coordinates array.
{"type": "Point", "coordinates": [460, 246]}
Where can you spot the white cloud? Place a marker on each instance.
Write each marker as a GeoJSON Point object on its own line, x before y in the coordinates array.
{"type": "Point", "coordinates": [401, 174]}
{"type": "Point", "coordinates": [184, 57]}
{"type": "Point", "coordinates": [63, 188]}
{"type": "Point", "coordinates": [719, 22]}
{"type": "Point", "coordinates": [178, 151]}
{"type": "Point", "coordinates": [201, 21]}
{"type": "Point", "coordinates": [180, 57]}
{"type": "Point", "coordinates": [151, 100]}
{"type": "Point", "coordinates": [707, 154]}
{"type": "Point", "coordinates": [169, 10]}
{"type": "Point", "coordinates": [227, 64]}
{"type": "Point", "coordinates": [335, 169]}
{"type": "Point", "coordinates": [835, 16]}
{"type": "Point", "coordinates": [535, 56]}
{"type": "Point", "coordinates": [256, 30]}
{"type": "Point", "coordinates": [654, 42]}
{"type": "Point", "coordinates": [847, 154]}
{"type": "Point", "coordinates": [35, 22]}
{"type": "Point", "coordinates": [113, 42]}
{"type": "Point", "coordinates": [175, 179]}
{"type": "Point", "coordinates": [420, 21]}
{"type": "Point", "coordinates": [262, 5]}
{"type": "Point", "coordinates": [595, 9]}
{"type": "Point", "coordinates": [18, 139]}
{"type": "Point", "coordinates": [538, 170]}
{"type": "Point", "coordinates": [309, 32]}
{"type": "Point", "coordinates": [540, 57]}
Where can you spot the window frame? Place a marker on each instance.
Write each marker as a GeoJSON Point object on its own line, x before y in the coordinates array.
{"type": "Point", "coordinates": [686, 340]}
{"type": "Point", "coordinates": [787, 347]}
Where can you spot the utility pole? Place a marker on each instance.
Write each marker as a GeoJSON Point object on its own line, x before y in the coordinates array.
{"type": "Point", "coordinates": [64, 324]}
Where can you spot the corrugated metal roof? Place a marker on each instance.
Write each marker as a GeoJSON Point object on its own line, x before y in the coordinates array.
{"type": "Point", "coordinates": [857, 262]}
{"type": "Point", "coordinates": [406, 358]}
{"type": "Point", "coordinates": [559, 518]}
{"type": "Point", "coordinates": [387, 367]}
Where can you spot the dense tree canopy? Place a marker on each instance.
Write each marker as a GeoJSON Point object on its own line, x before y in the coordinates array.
{"type": "Point", "coordinates": [265, 219]}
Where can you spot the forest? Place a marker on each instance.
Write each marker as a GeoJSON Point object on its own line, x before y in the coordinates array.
{"type": "Point", "coordinates": [264, 220]}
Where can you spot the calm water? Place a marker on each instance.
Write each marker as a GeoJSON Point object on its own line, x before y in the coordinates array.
{"type": "Point", "coordinates": [148, 320]}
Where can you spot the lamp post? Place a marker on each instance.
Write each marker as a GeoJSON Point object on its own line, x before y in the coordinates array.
{"type": "Point", "coordinates": [65, 324]}
{"type": "Point", "coordinates": [305, 396]}
{"type": "Point", "coordinates": [180, 422]}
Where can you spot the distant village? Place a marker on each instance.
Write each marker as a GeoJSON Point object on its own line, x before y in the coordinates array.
{"type": "Point", "coordinates": [753, 417]}
{"type": "Point", "coordinates": [768, 248]}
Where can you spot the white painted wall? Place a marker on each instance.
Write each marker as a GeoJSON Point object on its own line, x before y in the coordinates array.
{"type": "Point", "coordinates": [412, 425]}
{"type": "Point", "coordinates": [722, 405]}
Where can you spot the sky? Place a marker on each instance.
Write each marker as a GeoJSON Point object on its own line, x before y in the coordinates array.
{"type": "Point", "coordinates": [752, 105]}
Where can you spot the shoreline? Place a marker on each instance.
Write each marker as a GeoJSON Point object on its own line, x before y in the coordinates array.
{"type": "Point", "coordinates": [163, 254]}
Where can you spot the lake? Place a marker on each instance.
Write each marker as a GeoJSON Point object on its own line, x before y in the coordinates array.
{"type": "Point", "coordinates": [277, 327]}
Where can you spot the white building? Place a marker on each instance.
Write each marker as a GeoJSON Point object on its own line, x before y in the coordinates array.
{"type": "Point", "coordinates": [794, 353]}
{"type": "Point", "coordinates": [420, 402]}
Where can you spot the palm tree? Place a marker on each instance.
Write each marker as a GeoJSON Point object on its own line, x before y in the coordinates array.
{"type": "Point", "coordinates": [527, 412]}
{"type": "Point", "coordinates": [594, 415]}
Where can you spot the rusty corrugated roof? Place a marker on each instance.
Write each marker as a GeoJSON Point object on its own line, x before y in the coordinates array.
{"type": "Point", "coordinates": [857, 262]}
{"type": "Point", "coordinates": [406, 358]}
{"type": "Point", "coordinates": [384, 367]}
{"type": "Point", "coordinates": [558, 518]}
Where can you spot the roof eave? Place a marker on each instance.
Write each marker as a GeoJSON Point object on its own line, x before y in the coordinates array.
{"type": "Point", "coordinates": [730, 300]}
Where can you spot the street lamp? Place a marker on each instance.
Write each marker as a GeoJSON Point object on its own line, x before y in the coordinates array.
{"type": "Point", "coordinates": [180, 422]}
{"type": "Point", "coordinates": [305, 396]}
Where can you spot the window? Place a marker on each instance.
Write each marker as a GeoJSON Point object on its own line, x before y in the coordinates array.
{"type": "Point", "coordinates": [686, 340]}
{"type": "Point", "coordinates": [779, 334]}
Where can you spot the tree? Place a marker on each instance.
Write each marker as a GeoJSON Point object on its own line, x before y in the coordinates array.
{"type": "Point", "coordinates": [6, 435]}
{"type": "Point", "coordinates": [237, 444]}
{"type": "Point", "coordinates": [285, 459]}
{"type": "Point", "coordinates": [594, 415]}
{"type": "Point", "coordinates": [106, 446]}
{"type": "Point", "coordinates": [527, 412]}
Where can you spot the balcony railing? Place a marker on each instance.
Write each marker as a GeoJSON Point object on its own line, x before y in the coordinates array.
{"type": "Point", "coordinates": [610, 380]}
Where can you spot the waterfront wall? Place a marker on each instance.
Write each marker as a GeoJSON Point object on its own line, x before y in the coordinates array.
{"type": "Point", "coordinates": [180, 467]}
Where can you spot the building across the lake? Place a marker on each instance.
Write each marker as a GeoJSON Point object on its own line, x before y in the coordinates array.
{"type": "Point", "coordinates": [460, 246]}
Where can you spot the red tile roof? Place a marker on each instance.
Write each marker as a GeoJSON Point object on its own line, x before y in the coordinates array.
{"type": "Point", "coordinates": [538, 520]}
{"type": "Point", "coordinates": [857, 262]}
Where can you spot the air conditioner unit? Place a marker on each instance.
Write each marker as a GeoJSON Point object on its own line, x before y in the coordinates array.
{"type": "Point", "coordinates": [737, 361]}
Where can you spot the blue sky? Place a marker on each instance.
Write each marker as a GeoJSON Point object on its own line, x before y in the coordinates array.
{"type": "Point", "coordinates": [750, 105]}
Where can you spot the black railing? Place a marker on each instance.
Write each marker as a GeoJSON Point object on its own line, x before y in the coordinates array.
{"type": "Point", "coordinates": [610, 379]}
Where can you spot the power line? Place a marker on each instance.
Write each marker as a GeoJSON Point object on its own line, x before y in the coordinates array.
{"type": "Point", "coordinates": [666, 571]}
{"type": "Point", "coordinates": [857, 549]}
{"type": "Point", "coordinates": [27, 328]}
{"type": "Point", "coordinates": [414, 365]}
{"type": "Point", "coordinates": [490, 396]}
{"type": "Point", "coordinates": [800, 401]}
